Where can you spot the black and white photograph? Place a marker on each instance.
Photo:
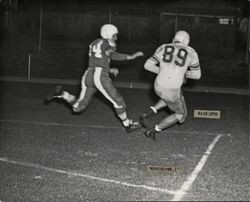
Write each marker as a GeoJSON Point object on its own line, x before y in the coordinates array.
{"type": "Point", "coordinates": [124, 100]}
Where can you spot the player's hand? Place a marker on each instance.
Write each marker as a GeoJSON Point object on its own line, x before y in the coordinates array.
{"type": "Point", "coordinates": [138, 54]}
{"type": "Point", "coordinates": [135, 55]}
{"type": "Point", "coordinates": [114, 71]}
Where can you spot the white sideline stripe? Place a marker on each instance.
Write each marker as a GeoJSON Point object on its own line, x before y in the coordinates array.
{"type": "Point", "coordinates": [187, 184]}
{"type": "Point", "coordinates": [26, 164]}
{"type": "Point", "coordinates": [135, 85]}
{"type": "Point", "coordinates": [102, 127]}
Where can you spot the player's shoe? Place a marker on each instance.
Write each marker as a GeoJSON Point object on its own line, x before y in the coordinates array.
{"type": "Point", "coordinates": [132, 126]}
{"type": "Point", "coordinates": [56, 93]}
{"type": "Point", "coordinates": [151, 133]}
{"type": "Point", "coordinates": [143, 120]}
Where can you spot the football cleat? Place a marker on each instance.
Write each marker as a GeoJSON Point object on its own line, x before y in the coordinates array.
{"type": "Point", "coordinates": [151, 133]}
{"type": "Point", "coordinates": [57, 93]}
{"type": "Point", "coordinates": [132, 126]}
{"type": "Point", "coordinates": [143, 120]}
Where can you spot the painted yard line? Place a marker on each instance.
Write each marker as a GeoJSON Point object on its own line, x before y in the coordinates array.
{"type": "Point", "coordinates": [71, 173]}
{"type": "Point", "coordinates": [102, 127]}
{"type": "Point", "coordinates": [58, 124]}
{"type": "Point", "coordinates": [187, 184]}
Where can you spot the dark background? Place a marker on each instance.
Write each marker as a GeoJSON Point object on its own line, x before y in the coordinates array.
{"type": "Point", "coordinates": [57, 32]}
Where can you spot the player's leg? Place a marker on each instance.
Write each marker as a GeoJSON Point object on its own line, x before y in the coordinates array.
{"type": "Point", "coordinates": [88, 89]}
{"type": "Point", "coordinates": [181, 110]}
{"type": "Point", "coordinates": [144, 118]}
{"type": "Point", "coordinates": [78, 104]}
{"type": "Point", "coordinates": [83, 101]}
{"type": "Point", "coordinates": [180, 113]}
{"type": "Point", "coordinates": [59, 93]}
{"type": "Point", "coordinates": [106, 87]}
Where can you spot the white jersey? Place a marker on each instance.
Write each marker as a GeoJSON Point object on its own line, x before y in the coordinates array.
{"type": "Point", "coordinates": [174, 60]}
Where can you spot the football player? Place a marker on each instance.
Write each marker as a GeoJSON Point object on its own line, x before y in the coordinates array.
{"type": "Point", "coordinates": [173, 63]}
{"type": "Point", "coordinates": [97, 77]}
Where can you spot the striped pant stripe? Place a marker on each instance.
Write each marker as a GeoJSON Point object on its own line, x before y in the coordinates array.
{"type": "Point", "coordinates": [97, 80]}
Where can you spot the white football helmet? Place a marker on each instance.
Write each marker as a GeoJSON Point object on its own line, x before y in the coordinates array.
{"type": "Point", "coordinates": [182, 37]}
{"type": "Point", "coordinates": [108, 30]}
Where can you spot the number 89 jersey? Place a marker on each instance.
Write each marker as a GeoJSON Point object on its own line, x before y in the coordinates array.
{"type": "Point", "coordinates": [174, 59]}
{"type": "Point", "coordinates": [99, 53]}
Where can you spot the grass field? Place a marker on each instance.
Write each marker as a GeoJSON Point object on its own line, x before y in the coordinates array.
{"type": "Point", "coordinates": [48, 154]}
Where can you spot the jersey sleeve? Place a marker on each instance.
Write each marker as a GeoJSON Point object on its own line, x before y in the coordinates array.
{"type": "Point", "coordinates": [194, 64]}
{"type": "Point", "coordinates": [119, 56]}
{"type": "Point", "coordinates": [111, 51]}
{"type": "Point", "coordinates": [194, 71]}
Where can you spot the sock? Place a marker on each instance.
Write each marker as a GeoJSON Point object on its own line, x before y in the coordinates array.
{"type": "Point", "coordinates": [124, 118]}
{"type": "Point", "coordinates": [157, 128]}
{"type": "Point", "coordinates": [126, 122]}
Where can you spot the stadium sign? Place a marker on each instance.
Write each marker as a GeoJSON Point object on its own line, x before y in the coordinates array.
{"type": "Point", "coordinates": [208, 114]}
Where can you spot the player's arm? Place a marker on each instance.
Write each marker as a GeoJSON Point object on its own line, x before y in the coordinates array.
{"type": "Point", "coordinates": [110, 50]}
{"type": "Point", "coordinates": [152, 64]}
{"type": "Point", "coordinates": [135, 55]}
{"type": "Point", "coordinates": [194, 70]}
{"type": "Point", "coordinates": [122, 56]}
